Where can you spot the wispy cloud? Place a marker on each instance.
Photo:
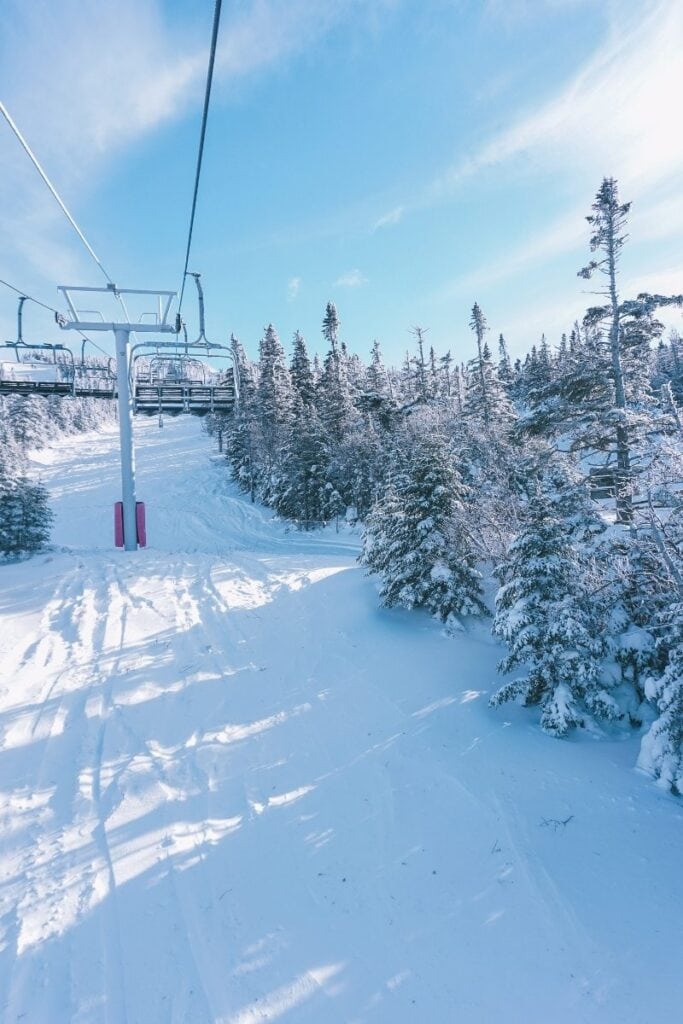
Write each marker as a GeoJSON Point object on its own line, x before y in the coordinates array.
{"type": "Point", "coordinates": [351, 279]}
{"type": "Point", "coordinates": [562, 235]}
{"type": "Point", "coordinates": [617, 115]}
{"type": "Point", "coordinates": [293, 288]}
{"type": "Point", "coordinates": [656, 220]}
{"type": "Point", "coordinates": [388, 219]}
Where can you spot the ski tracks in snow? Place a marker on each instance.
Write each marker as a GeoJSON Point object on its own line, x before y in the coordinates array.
{"type": "Point", "coordinates": [233, 790]}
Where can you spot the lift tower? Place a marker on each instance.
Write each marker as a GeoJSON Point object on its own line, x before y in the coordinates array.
{"type": "Point", "coordinates": [122, 331]}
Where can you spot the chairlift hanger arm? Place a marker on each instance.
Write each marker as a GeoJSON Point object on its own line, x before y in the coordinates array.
{"type": "Point", "coordinates": [20, 315]}
{"type": "Point", "coordinates": [200, 297]}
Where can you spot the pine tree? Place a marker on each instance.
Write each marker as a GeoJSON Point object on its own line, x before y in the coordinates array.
{"type": "Point", "coordinates": [242, 445]}
{"type": "Point", "coordinates": [479, 326]}
{"type": "Point", "coordinates": [661, 752]}
{"type": "Point", "coordinates": [358, 469]}
{"type": "Point", "coordinates": [433, 383]}
{"type": "Point", "coordinates": [376, 399]}
{"type": "Point", "coordinates": [331, 326]}
{"type": "Point", "coordinates": [544, 615]}
{"type": "Point", "coordinates": [304, 496]}
{"type": "Point", "coordinates": [274, 405]}
{"type": "Point", "coordinates": [608, 223]}
{"type": "Point", "coordinates": [274, 387]}
{"type": "Point", "coordinates": [25, 517]}
{"type": "Point", "coordinates": [376, 379]}
{"type": "Point", "coordinates": [334, 399]}
{"type": "Point", "coordinates": [420, 385]}
{"type": "Point", "coordinates": [657, 582]}
{"type": "Point", "coordinates": [301, 371]}
{"type": "Point", "coordinates": [415, 540]}
{"type": "Point", "coordinates": [485, 399]}
{"type": "Point", "coordinates": [446, 373]}
{"type": "Point", "coordinates": [505, 375]}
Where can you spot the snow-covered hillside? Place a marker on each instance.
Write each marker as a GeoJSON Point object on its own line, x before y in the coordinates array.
{"type": "Point", "coordinates": [235, 790]}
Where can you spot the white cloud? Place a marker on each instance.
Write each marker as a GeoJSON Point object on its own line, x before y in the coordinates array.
{"type": "Point", "coordinates": [293, 288]}
{"type": "Point", "coordinates": [562, 235]}
{"type": "Point", "coordinates": [351, 279]}
{"type": "Point", "coordinates": [617, 116]}
{"type": "Point", "coordinates": [524, 326]}
{"type": "Point", "coordinates": [568, 232]}
{"type": "Point", "coordinates": [389, 219]}
{"type": "Point", "coordinates": [666, 280]}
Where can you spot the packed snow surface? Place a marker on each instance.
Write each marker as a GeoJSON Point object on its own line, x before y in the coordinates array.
{"type": "Point", "coordinates": [235, 790]}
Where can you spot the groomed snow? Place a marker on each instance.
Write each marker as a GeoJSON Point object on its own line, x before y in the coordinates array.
{"type": "Point", "coordinates": [235, 790]}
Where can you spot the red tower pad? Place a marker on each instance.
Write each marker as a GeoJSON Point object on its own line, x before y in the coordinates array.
{"type": "Point", "coordinates": [118, 524]}
{"type": "Point", "coordinates": [140, 523]}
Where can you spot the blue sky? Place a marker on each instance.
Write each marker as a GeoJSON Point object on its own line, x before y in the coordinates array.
{"type": "Point", "coordinates": [401, 157]}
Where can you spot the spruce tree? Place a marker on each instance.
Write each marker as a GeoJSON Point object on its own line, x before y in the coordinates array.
{"type": "Point", "coordinates": [301, 370]}
{"type": "Point", "coordinates": [661, 752]}
{"type": "Point", "coordinates": [479, 326]}
{"type": "Point", "coordinates": [304, 495]}
{"type": "Point", "coordinates": [334, 398]}
{"type": "Point", "coordinates": [545, 617]}
{"type": "Point", "coordinates": [330, 328]}
{"type": "Point", "coordinates": [608, 223]}
{"type": "Point", "coordinates": [25, 517]}
{"type": "Point", "coordinates": [485, 400]}
{"type": "Point", "coordinates": [376, 379]}
{"type": "Point", "coordinates": [505, 374]}
{"type": "Point", "coordinates": [242, 447]}
{"type": "Point", "coordinates": [415, 538]}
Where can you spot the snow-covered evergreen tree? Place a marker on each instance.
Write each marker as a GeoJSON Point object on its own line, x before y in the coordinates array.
{"type": "Point", "coordinates": [330, 329]}
{"type": "Point", "coordinates": [25, 516]}
{"type": "Point", "coordinates": [544, 615]}
{"type": "Point", "coordinates": [415, 538]}
{"type": "Point", "coordinates": [334, 400]}
{"type": "Point", "coordinates": [274, 410]}
{"type": "Point", "coordinates": [661, 752]}
{"type": "Point", "coordinates": [242, 445]}
{"type": "Point", "coordinates": [304, 496]}
{"type": "Point", "coordinates": [486, 401]}
{"type": "Point", "coordinates": [301, 370]}
{"type": "Point", "coordinates": [376, 378]}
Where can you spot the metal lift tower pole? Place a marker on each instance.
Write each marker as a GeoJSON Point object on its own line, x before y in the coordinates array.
{"type": "Point", "coordinates": [122, 337]}
{"type": "Point", "coordinates": [122, 332]}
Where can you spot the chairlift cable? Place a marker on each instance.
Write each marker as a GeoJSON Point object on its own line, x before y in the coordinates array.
{"type": "Point", "coordinates": [19, 291]}
{"type": "Point", "coordinates": [202, 136]}
{"type": "Point", "coordinates": [51, 309]}
{"type": "Point", "coordinates": [4, 111]}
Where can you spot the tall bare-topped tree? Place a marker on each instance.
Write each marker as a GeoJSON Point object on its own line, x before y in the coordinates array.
{"type": "Point", "coordinates": [335, 402]}
{"type": "Point", "coordinates": [420, 365]}
{"type": "Point", "coordinates": [331, 326]}
{"type": "Point", "coordinates": [608, 223]}
{"type": "Point", "coordinates": [479, 326]}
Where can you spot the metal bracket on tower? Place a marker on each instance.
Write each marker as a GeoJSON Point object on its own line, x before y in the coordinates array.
{"type": "Point", "coordinates": [122, 330]}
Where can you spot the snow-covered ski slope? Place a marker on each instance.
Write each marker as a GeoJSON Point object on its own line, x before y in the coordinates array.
{"type": "Point", "coordinates": [235, 790]}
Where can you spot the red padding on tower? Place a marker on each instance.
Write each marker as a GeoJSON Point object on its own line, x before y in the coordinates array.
{"type": "Point", "coordinates": [140, 523]}
{"type": "Point", "coordinates": [118, 524]}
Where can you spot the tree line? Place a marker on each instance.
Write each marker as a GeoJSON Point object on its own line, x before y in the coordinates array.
{"type": "Point", "coordinates": [559, 476]}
